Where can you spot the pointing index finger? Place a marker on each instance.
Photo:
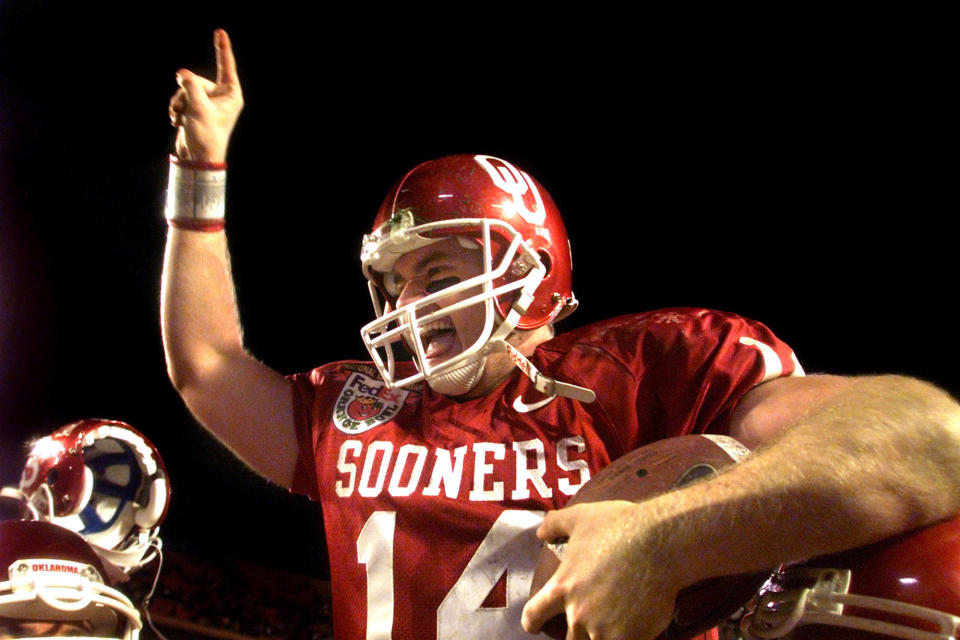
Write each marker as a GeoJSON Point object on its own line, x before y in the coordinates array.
{"type": "Point", "coordinates": [226, 63]}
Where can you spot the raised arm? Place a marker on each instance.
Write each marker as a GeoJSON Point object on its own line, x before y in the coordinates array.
{"type": "Point", "coordinates": [245, 404]}
{"type": "Point", "coordinates": [841, 462]}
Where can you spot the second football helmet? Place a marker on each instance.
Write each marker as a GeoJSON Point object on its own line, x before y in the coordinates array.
{"type": "Point", "coordinates": [103, 480]}
{"type": "Point", "coordinates": [907, 587]}
{"type": "Point", "coordinates": [487, 204]}
{"type": "Point", "coordinates": [50, 577]}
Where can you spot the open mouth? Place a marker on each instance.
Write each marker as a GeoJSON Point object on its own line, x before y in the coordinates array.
{"type": "Point", "coordinates": [439, 339]}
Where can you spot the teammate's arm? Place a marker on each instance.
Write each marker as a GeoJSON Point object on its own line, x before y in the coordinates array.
{"type": "Point", "coordinates": [244, 403]}
{"type": "Point", "coordinates": [842, 462]}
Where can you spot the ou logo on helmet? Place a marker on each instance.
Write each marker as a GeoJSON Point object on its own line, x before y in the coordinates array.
{"type": "Point", "coordinates": [30, 472]}
{"type": "Point", "coordinates": [517, 183]}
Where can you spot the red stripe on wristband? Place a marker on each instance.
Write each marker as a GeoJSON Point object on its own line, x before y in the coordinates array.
{"type": "Point", "coordinates": [209, 226]}
{"type": "Point", "coordinates": [196, 164]}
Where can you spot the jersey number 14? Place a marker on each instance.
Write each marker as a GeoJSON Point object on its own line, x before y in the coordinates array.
{"type": "Point", "coordinates": [510, 547]}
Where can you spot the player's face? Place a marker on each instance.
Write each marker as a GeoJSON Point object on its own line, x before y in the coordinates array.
{"type": "Point", "coordinates": [38, 629]}
{"type": "Point", "coordinates": [431, 269]}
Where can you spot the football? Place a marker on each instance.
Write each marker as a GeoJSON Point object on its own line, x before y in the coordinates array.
{"type": "Point", "coordinates": [642, 474]}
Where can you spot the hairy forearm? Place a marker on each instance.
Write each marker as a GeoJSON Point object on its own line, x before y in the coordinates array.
{"type": "Point", "coordinates": [245, 404]}
{"type": "Point", "coordinates": [199, 317]}
{"type": "Point", "coordinates": [878, 457]}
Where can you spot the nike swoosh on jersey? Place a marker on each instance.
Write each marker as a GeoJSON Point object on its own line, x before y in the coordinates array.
{"type": "Point", "coordinates": [522, 407]}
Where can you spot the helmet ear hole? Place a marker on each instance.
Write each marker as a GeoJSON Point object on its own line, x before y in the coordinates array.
{"type": "Point", "coordinates": [545, 259]}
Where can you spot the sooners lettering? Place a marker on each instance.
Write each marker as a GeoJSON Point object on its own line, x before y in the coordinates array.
{"type": "Point", "coordinates": [489, 468]}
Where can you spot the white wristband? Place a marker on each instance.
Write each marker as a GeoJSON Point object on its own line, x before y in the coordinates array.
{"type": "Point", "coordinates": [196, 195]}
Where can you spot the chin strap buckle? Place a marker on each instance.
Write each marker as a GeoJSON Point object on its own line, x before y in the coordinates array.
{"type": "Point", "coordinates": [542, 383]}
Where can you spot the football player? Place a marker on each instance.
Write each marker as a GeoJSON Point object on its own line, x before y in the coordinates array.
{"type": "Point", "coordinates": [53, 584]}
{"type": "Point", "coordinates": [435, 473]}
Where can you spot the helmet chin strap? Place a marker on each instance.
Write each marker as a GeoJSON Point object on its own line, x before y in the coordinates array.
{"type": "Point", "coordinates": [462, 379]}
{"type": "Point", "coordinates": [542, 383]}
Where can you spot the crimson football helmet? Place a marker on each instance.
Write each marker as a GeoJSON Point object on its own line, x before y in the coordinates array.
{"type": "Point", "coordinates": [906, 587]}
{"type": "Point", "coordinates": [50, 577]}
{"type": "Point", "coordinates": [487, 204]}
{"type": "Point", "coordinates": [103, 480]}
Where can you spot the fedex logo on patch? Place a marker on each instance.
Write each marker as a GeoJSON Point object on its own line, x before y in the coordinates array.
{"type": "Point", "coordinates": [365, 403]}
{"type": "Point", "coordinates": [377, 390]}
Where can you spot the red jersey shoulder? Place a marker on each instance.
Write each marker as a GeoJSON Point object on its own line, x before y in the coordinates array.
{"type": "Point", "coordinates": [668, 372]}
{"type": "Point", "coordinates": [633, 343]}
{"type": "Point", "coordinates": [359, 398]}
{"type": "Point", "coordinates": [627, 333]}
{"type": "Point", "coordinates": [623, 333]}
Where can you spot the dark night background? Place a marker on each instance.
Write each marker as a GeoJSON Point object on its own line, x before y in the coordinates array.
{"type": "Point", "coordinates": [794, 176]}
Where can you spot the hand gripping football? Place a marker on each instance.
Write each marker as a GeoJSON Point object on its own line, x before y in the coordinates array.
{"type": "Point", "coordinates": [647, 472]}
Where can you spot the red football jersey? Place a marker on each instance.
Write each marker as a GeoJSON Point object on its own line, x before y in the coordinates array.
{"type": "Point", "coordinates": [431, 505]}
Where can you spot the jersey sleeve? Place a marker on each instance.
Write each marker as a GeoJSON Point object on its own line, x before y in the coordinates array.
{"type": "Point", "coordinates": [706, 361]}
{"type": "Point", "coordinates": [671, 372]}
{"type": "Point", "coordinates": [308, 401]}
